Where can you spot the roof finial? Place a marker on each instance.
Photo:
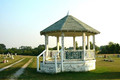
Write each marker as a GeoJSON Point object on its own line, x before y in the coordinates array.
{"type": "Point", "coordinates": [67, 13]}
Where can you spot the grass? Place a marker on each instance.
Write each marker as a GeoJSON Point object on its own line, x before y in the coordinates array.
{"type": "Point", "coordinates": [104, 70]}
{"type": "Point", "coordinates": [8, 72]}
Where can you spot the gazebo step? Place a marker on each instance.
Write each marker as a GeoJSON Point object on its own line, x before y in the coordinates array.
{"type": "Point", "coordinates": [49, 68]}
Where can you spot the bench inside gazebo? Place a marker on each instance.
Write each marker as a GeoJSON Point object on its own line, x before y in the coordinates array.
{"type": "Point", "coordinates": [55, 61]}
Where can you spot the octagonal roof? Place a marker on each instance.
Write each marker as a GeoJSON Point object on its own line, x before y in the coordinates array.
{"type": "Point", "coordinates": [68, 24]}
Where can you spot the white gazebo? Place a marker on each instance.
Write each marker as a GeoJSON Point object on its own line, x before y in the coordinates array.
{"type": "Point", "coordinates": [55, 61]}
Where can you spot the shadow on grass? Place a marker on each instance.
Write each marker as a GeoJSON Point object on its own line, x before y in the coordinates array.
{"type": "Point", "coordinates": [7, 72]}
{"type": "Point", "coordinates": [31, 73]}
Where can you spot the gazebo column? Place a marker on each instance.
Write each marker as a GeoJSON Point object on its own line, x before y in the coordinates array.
{"type": "Point", "coordinates": [62, 52]}
{"type": "Point", "coordinates": [74, 47]}
{"type": "Point", "coordinates": [46, 47]}
{"type": "Point", "coordinates": [58, 43]}
{"type": "Point", "coordinates": [88, 42]}
{"type": "Point", "coordinates": [84, 47]}
{"type": "Point", "coordinates": [93, 42]}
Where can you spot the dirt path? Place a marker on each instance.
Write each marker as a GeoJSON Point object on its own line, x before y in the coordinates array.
{"type": "Point", "coordinates": [11, 65]}
{"type": "Point", "coordinates": [20, 71]}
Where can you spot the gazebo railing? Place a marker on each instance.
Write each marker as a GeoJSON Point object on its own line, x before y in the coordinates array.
{"type": "Point", "coordinates": [52, 53]}
{"type": "Point", "coordinates": [38, 65]}
{"type": "Point", "coordinates": [73, 54]}
{"type": "Point", "coordinates": [90, 54]}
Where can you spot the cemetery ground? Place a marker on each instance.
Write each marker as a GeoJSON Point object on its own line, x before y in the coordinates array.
{"type": "Point", "coordinates": [104, 70]}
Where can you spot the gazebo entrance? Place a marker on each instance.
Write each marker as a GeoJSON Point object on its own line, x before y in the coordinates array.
{"type": "Point", "coordinates": [55, 61]}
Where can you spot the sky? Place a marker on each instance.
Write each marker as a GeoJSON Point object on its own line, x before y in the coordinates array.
{"type": "Point", "coordinates": [22, 20]}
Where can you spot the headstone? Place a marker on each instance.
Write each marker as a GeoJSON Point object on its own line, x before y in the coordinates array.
{"type": "Point", "coordinates": [9, 55]}
{"type": "Point", "coordinates": [99, 56]}
{"type": "Point", "coordinates": [6, 61]}
{"type": "Point", "coordinates": [118, 56]}
{"type": "Point", "coordinates": [2, 54]}
{"type": "Point", "coordinates": [12, 57]}
{"type": "Point", "coordinates": [15, 54]}
{"type": "Point", "coordinates": [105, 56]}
{"type": "Point", "coordinates": [111, 60]}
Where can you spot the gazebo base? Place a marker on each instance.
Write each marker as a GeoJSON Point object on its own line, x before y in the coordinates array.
{"type": "Point", "coordinates": [68, 66]}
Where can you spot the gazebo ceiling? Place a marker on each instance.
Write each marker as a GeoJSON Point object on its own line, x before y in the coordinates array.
{"type": "Point", "coordinates": [70, 26]}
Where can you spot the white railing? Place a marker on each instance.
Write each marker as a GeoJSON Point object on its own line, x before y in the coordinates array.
{"type": "Point", "coordinates": [90, 54]}
{"type": "Point", "coordinates": [73, 54]}
{"type": "Point", "coordinates": [56, 61]}
{"type": "Point", "coordinates": [51, 53]}
{"type": "Point", "coordinates": [43, 53]}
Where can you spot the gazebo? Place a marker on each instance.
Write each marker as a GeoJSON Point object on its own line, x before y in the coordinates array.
{"type": "Point", "coordinates": [55, 61]}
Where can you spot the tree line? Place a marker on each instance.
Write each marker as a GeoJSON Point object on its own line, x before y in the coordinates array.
{"type": "Point", "coordinates": [111, 48]}
{"type": "Point", "coordinates": [28, 50]}
{"type": "Point", "coordinates": [23, 50]}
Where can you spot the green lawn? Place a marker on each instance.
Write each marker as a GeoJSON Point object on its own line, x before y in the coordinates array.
{"type": "Point", "coordinates": [8, 72]}
{"type": "Point", "coordinates": [16, 58]}
{"type": "Point", "coordinates": [104, 70]}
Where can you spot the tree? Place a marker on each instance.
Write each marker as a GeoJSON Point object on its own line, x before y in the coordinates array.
{"type": "Point", "coordinates": [2, 46]}
{"type": "Point", "coordinates": [76, 45]}
{"type": "Point", "coordinates": [55, 48]}
{"type": "Point", "coordinates": [91, 45]}
{"type": "Point", "coordinates": [103, 50]}
{"type": "Point", "coordinates": [117, 48]}
{"type": "Point", "coordinates": [111, 48]}
{"type": "Point", "coordinates": [110, 43]}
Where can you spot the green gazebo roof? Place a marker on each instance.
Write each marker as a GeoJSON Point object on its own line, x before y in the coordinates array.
{"type": "Point", "coordinates": [69, 24]}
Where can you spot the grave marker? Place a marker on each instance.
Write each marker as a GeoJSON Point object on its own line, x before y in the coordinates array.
{"type": "Point", "coordinates": [12, 57]}
{"type": "Point", "coordinates": [15, 54]}
{"type": "Point", "coordinates": [6, 61]}
{"type": "Point", "coordinates": [118, 56]}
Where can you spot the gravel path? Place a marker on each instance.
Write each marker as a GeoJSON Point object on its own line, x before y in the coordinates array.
{"type": "Point", "coordinates": [20, 71]}
{"type": "Point", "coordinates": [11, 65]}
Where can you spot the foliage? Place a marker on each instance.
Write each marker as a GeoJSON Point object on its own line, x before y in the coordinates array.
{"type": "Point", "coordinates": [76, 45]}
{"type": "Point", "coordinates": [111, 48]}
{"type": "Point", "coordinates": [2, 48]}
{"type": "Point", "coordinates": [91, 47]}
{"type": "Point", "coordinates": [25, 50]}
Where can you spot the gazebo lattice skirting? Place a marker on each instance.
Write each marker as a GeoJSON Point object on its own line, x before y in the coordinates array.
{"type": "Point", "coordinates": [55, 61]}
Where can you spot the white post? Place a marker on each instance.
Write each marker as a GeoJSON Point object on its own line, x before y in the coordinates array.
{"type": "Point", "coordinates": [88, 42]}
{"type": "Point", "coordinates": [58, 43]}
{"type": "Point", "coordinates": [55, 64]}
{"type": "Point", "coordinates": [37, 63]}
{"type": "Point", "coordinates": [62, 52]}
{"type": "Point", "coordinates": [46, 47]}
{"type": "Point", "coordinates": [93, 42]}
{"type": "Point", "coordinates": [74, 46]}
{"type": "Point", "coordinates": [84, 47]}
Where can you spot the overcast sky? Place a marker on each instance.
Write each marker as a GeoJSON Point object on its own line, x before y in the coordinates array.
{"type": "Point", "coordinates": [22, 20]}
